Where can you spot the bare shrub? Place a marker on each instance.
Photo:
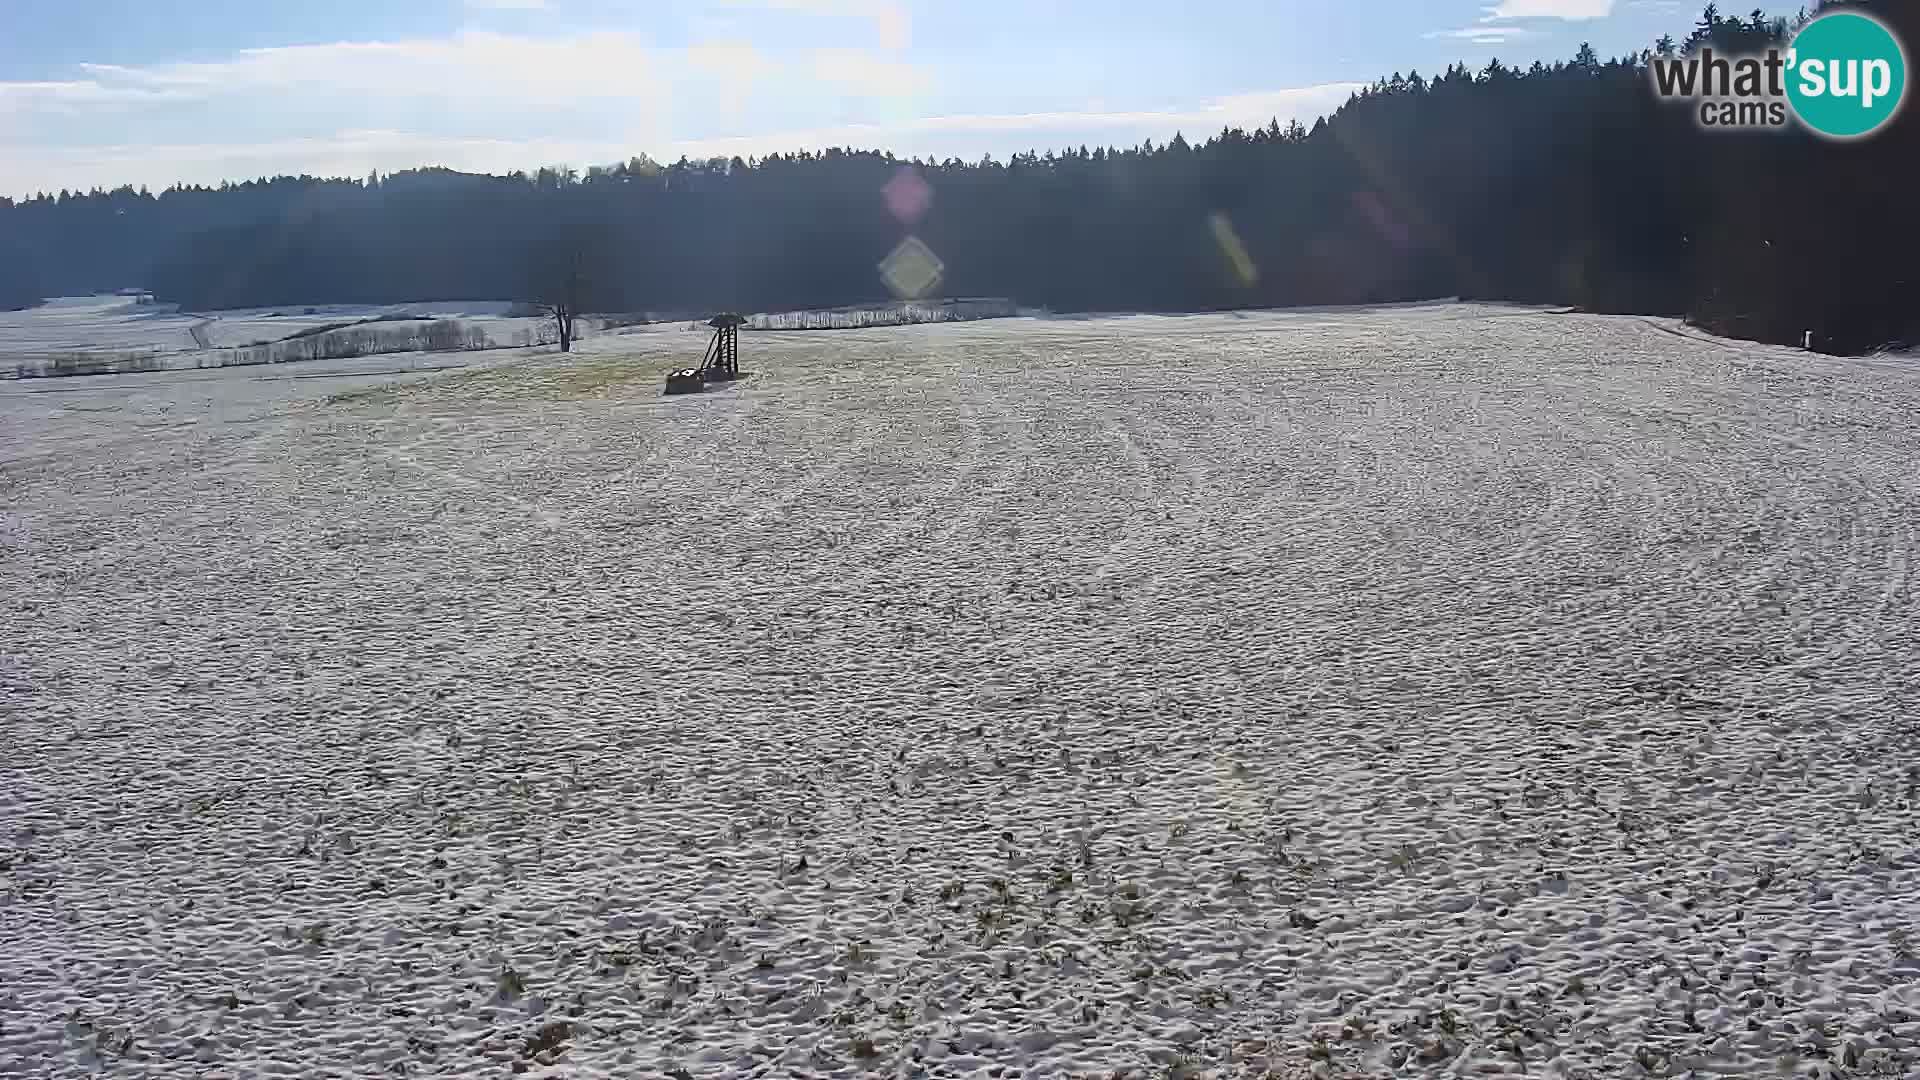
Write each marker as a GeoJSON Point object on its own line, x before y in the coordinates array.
{"type": "Point", "coordinates": [444, 335]}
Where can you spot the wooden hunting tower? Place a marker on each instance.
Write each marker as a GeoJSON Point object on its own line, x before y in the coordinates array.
{"type": "Point", "coordinates": [721, 363]}
{"type": "Point", "coordinates": [726, 344]}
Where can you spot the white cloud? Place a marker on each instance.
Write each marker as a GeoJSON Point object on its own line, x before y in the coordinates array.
{"type": "Point", "coordinates": [358, 151]}
{"type": "Point", "coordinates": [732, 59]}
{"type": "Point", "coordinates": [473, 70]}
{"type": "Point", "coordinates": [25, 97]}
{"type": "Point", "coordinates": [494, 102]}
{"type": "Point", "coordinates": [1495, 27]}
{"type": "Point", "coordinates": [867, 73]}
{"type": "Point", "coordinates": [891, 23]}
{"type": "Point", "coordinates": [968, 135]}
{"type": "Point", "coordinates": [318, 102]}
{"type": "Point", "coordinates": [508, 5]}
{"type": "Point", "coordinates": [1551, 9]}
{"type": "Point", "coordinates": [1485, 35]}
{"type": "Point", "coordinates": [472, 65]}
{"type": "Point", "coordinates": [737, 65]}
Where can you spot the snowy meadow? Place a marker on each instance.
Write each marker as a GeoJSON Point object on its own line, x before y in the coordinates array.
{"type": "Point", "coordinates": [1437, 690]}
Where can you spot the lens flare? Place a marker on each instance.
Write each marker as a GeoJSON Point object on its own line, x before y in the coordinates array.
{"type": "Point", "coordinates": [908, 195]}
{"type": "Point", "coordinates": [1242, 263]}
{"type": "Point", "coordinates": [912, 269]}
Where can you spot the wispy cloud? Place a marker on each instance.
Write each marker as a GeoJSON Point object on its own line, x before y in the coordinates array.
{"type": "Point", "coordinates": [1551, 9]}
{"type": "Point", "coordinates": [470, 68]}
{"type": "Point", "coordinates": [491, 101]}
{"type": "Point", "coordinates": [871, 74]}
{"type": "Point", "coordinates": [99, 125]}
{"type": "Point", "coordinates": [355, 152]}
{"type": "Point", "coordinates": [739, 66]}
{"type": "Point", "coordinates": [1485, 35]}
{"type": "Point", "coordinates": [1496, 27]}
{"type": "Point", "coordinates": [891, 23]}
{"type": "Point", "coordinates": [971, 134]}
{"type": "Point", "coordinates": [476, 65]}
{"type": "Point", "coordinates": [18, 98]}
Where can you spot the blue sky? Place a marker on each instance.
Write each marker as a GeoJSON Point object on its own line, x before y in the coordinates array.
{"type": "Point", "coordinates": [103, 92]}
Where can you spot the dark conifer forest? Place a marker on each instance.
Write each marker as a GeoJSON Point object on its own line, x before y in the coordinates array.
{"type": "Point", "coordinates": [1570, 184]}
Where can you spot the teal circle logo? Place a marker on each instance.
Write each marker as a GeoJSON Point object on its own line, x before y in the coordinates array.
{"type": "Point", "coordinates": [1847, 75]}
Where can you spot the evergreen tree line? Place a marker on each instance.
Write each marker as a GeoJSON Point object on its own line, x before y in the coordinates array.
{"type": "Point", "coordinates": [1565, 184]}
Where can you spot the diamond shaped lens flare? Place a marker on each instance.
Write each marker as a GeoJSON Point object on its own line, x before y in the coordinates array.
{"type": "Point", "coordinates": [908, 195]}
{"type": "Point", "coordinates": [912, 269]}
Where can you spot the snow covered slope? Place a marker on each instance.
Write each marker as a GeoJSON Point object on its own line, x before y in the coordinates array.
{"type": "Point", "coordinates": [97, 323]}
{"type": "Point", "coordinates": [119, 325]}
{"type": "Point", "coordinates": [1440, 690]}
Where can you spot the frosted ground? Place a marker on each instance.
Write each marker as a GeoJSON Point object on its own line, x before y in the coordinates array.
{"type": "Point", "coordinates": [1434, 691]}
{"type": "Point", "coordinates": [120, 324]}
{"type": "Point", "coordinates": [122, 334]}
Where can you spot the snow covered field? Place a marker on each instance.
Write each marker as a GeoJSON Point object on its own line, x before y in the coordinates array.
{"type": "Point", "coordinates": [119, 324]}
{"type": "Point", "coordinates": [1435, 690]}
{"type": "Point", "coordinates": [118, 333]}
{"type": "Point", "coordinates": [103, 323]}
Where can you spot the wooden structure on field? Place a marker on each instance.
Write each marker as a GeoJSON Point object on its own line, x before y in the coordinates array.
{"type": "Point", "coordinates": [725, 349]}
{"type": "Point", "coordinates": [720, 363]}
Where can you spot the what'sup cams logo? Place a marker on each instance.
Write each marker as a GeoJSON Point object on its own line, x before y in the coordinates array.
{"type": "Point", "coordinates": [1844, 76]}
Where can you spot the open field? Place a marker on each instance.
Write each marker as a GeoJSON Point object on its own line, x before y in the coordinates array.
{"type": "Point", "coordinates": [1441, 690]}
{"type": "Point", "coordinates": [113, 334]}
{"type": "Point", "coordinates": [92, 335]}
{"type": "Point", "coordinates": [119, 324]}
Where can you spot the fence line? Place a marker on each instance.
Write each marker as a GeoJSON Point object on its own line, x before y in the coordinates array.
{"type": "Point", "coordinates": [451, 335]}
{"type": "Point", "coordinates": [905, 313]}
{"type": "Point", "coordinates": [344, 343]}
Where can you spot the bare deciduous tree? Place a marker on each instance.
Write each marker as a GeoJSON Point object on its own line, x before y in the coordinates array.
{"type": "Point", "coordinates": [561, 280]}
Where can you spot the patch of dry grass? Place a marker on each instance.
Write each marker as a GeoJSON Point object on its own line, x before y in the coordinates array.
{"type": "Point", "coordinates": [541, 378]}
